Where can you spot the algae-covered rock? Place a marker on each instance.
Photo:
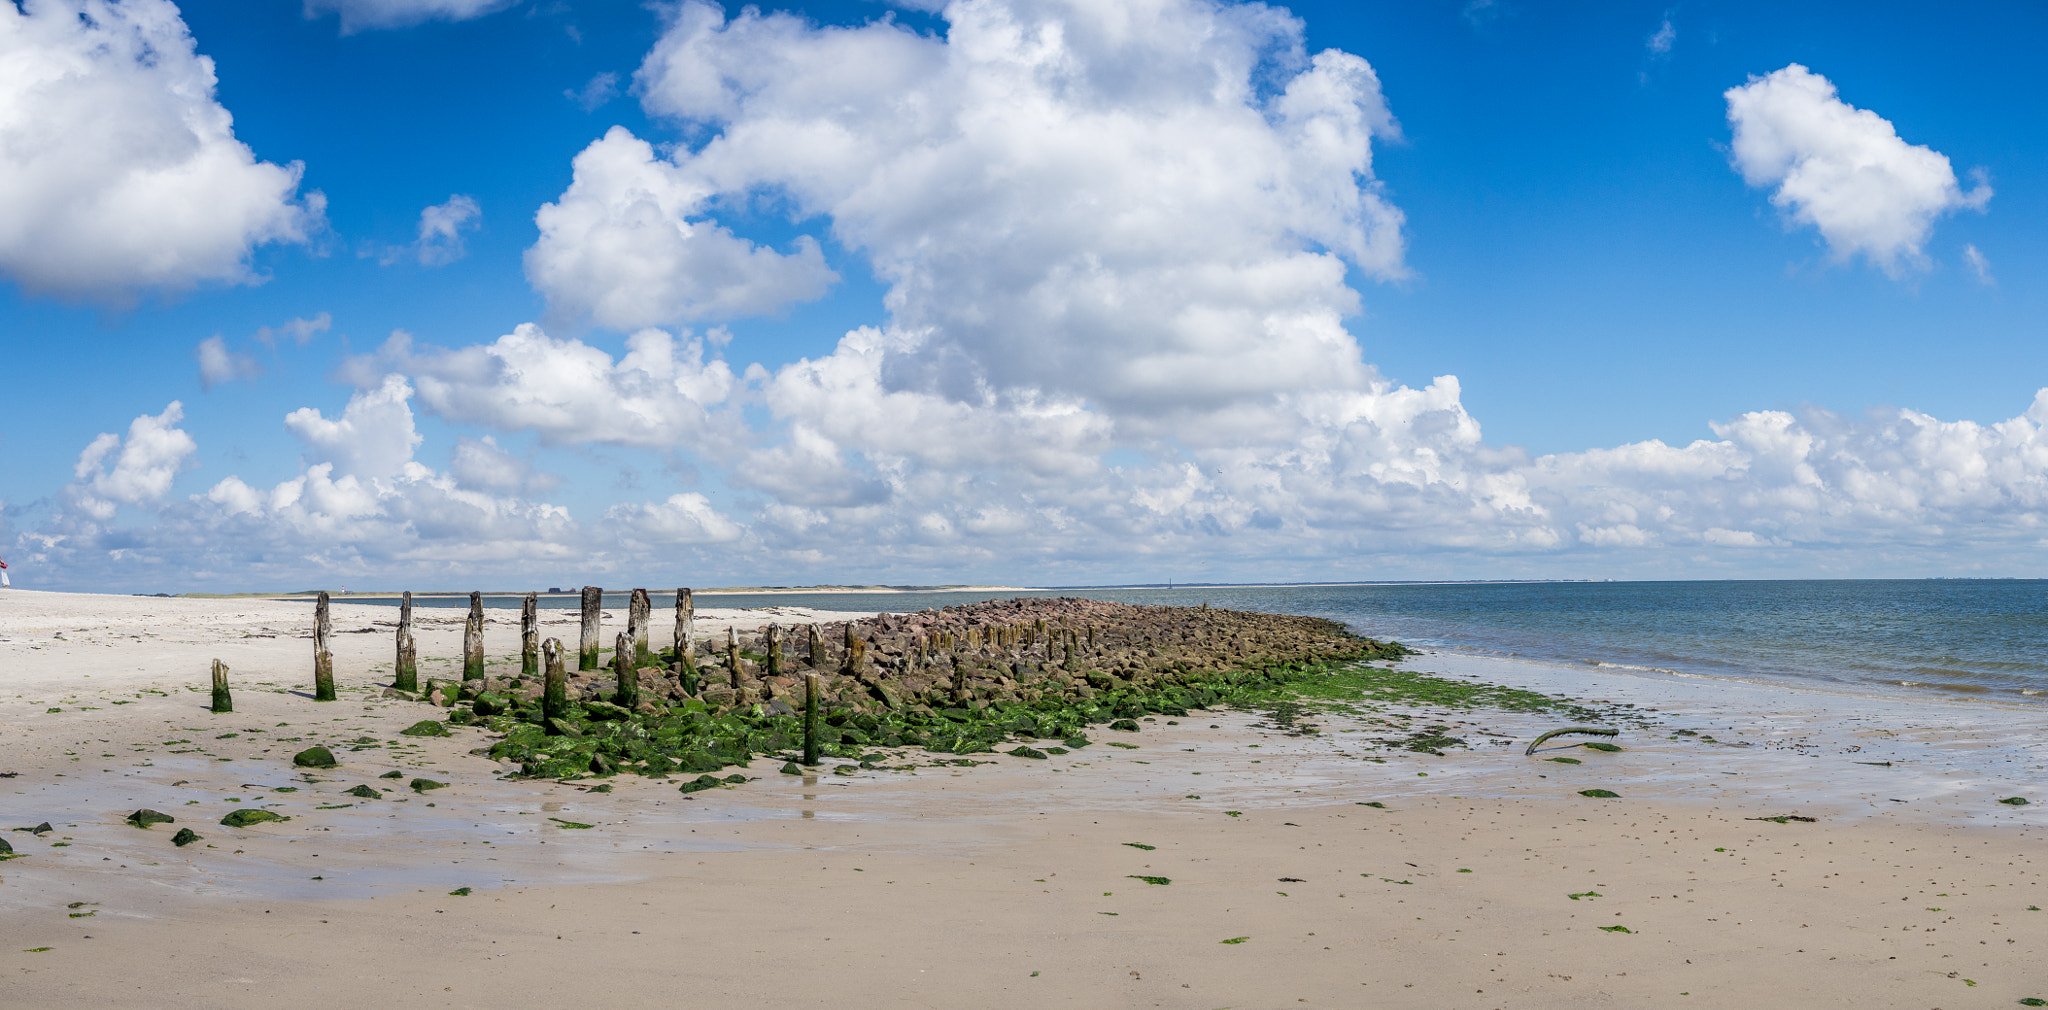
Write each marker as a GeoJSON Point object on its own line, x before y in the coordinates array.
{"type": "Point", "coordinates": [1600, 794]}
{"type": "Point", "coordinates": [735, 779]}
{"type": "Point", "coordinates": [462, 717]}
{"type": "Point", "coordinates": [245, 817]}
{"type": "Point", "coordinates": [5, 847]}
{"type": "Point", "coordinates": [605, 711]}
{"type": "Point", "coordinates": [422, 785]}
{"type": "Point", "coordinates": [563, 727]}
{"type": "Point", "coordinates": [790, 768]}
{"type": "Point", "coordinates": [1125, 725]}
{"type": "Point", "coordinates": [392, 774]}
{"type": "Point", "coordinates": [145, 817]}
{"type": "Point", "coordinates": [366, 793]}
{"type": "Point", "coordinates": [1077, 741]}
{"type": "Point", "coordinates": [425, 727]}
{"type": "Point", "coordinates": [701, 783]}
{"type": "Point", "coordinates": [1026, 752]}
{"type": "Point", "coordinates": [314, 757]}
{"type": "Point", "coordinates": [490, 703]}
{"type": "Point", "coordinates": [185, 836]}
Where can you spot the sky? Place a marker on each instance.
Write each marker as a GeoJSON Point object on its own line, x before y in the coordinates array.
{"type": "Point", "coordinates": [454, 293]}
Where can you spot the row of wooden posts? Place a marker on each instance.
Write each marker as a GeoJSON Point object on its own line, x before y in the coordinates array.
{"type": "Point", "coordinates": [629, 653]}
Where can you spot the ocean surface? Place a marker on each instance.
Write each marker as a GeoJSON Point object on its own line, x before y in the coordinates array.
{"type": "Point", "coordinates": [1987, 638]}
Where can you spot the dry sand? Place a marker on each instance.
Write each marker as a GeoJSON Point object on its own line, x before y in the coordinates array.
{"type": "Point", "coordinates": [1001, 884]}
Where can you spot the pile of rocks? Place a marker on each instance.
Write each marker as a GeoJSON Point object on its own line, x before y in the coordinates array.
{"type": "Point", "coordinates": [970, 655]}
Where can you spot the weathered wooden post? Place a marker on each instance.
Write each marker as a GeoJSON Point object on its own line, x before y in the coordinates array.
{"type": "Point", "coordinates": [810, 718]}
{"type": "Point", "coordinates": [628, 694]}
{"type": "Point", "coordinates": [959, 679]}
{"type": "Point", "coordinates": [686, 641]}
{"type": "Point", "coordinates": [529, 636]}
{"type": "Point", "coordinates": [817, 645]}
{"type": "Point", "coordinates": [473, 639]}
{"type": "Point", "coordinates": [732, 656]}
{"type": "Point", "coordinates": [774, 647]}
{"type": "Point", "coordinates": [639, 610]}
{"type": "Point", "coordinates": [323, 659]}
{"type": "Point", "coordinates": [593, 612]}
{"type": "Point", "coordinates": [405, 674]}
{"type": "Point", "coordinates": [855, 662]}
{"type": "Point", "coordinates": [221, 701]}
{"type": "Point", "coordinates": [554, 696]}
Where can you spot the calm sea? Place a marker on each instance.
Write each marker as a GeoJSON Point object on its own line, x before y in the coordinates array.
{"type": "Point", "coordinates": [1988, 637]}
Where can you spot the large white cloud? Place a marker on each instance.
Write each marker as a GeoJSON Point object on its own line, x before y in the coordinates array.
{"type": "Point", "coordinates": [119, 171]}
{"type": "Point", "coordinates": [374, 437]}
{"type": "Point", "coordinates": [365, 15]}
{"type": "Point", "coordinates": [1149, 206]}
{"type": "Point", "coordinates": [660, 394]}
{"type": "Point", "coordinates": [144, 464]}
{"type": "Point", "coordinates": [628, 246]}
{"type": "Point", "coordinates": [1842, 169]}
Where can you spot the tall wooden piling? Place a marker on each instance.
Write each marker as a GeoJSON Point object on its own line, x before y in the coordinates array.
{"type": "Point", "coordinates": [817, 645]}
{"type": "Point", "coordinates": [323, 658]}
{"type": "Point", "coordinates": [732, 656]}
{"type": "Point", "coordinates": [639, 610]}
{"type": "Point", "coordinates": [405, 673]}
{"type": "Point", "coordinates": [221, 701]}
{"type": "Point", "coordinates": [686, 641]}
{"type": "Point", "coordinates": [473, 639]}
{"type": "Point", "coordinates": [810, 719]}
{"type": "Point", "coordinates": [628, 693]}
{"type": "Point", "coordinates": [773, 645]}
{"type": "Point", "coordinates": [554, 696]}
{"type": "Point", "coordinates": [529, 636]}
{"type": "Point", "coordinates": [593, 612]}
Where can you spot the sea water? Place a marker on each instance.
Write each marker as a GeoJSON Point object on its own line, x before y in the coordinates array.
{"type": "Point", "coordinates": [1986, 637]}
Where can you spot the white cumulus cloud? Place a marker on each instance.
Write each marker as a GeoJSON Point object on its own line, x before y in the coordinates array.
{"type": "Point", "coordinates": [367, 15]}
{"type": "Point", "coordinates": [661, 393]}
{"type": "Point", "coordinates": [119, 171]}
{"type": "Point", "coordinates": [1842, 169]}
{"type": "Point", "coordinates": [628, 245]}
{"type": "Point", "coordinates": [143, 464]}
{"type": "Point", "coordinates": [374, 437]}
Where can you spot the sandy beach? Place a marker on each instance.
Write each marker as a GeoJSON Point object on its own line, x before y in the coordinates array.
{"type": "Point", "coordinates": [1293, 869]}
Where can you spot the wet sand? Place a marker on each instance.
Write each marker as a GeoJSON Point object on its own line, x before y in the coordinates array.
{"type": "Point", "coordinates": [1006, 883]}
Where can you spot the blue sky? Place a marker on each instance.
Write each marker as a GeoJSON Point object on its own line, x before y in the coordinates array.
{"type": "Point", "coordinates": [1160, 303]}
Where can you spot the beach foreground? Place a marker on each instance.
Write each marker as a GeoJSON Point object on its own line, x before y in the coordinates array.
{"type": "Point", "coordinates": [927, 882]}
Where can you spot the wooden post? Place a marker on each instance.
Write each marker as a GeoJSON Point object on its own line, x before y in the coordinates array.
{"type": "Point", "coordinates": [221, 701]}
{"type": "Point", "coordinates": [732, 656]}
{"type": "Point", "coordinates": [817, 645]}
{"type": "Point", "coordinates": [405, 674]}
{"type": "Point", "coordinates": [529, 636]}
{"type": "Point", "coordinates": [856, 655]}
{"type": "Point", "coordinates": [554, 697]}
{"type": "Point", "coordinates": [323, 659]}
{"type": "Point", "coordinates": [774, 647]}
{"type": "Point", "coordinates": [593, 612]}
{"type": "Point", "coordinates": [686, 641]}
{"type": "Point", "coordinates": [810, 718]}
{"type": "Point", "coordinates": [959, 679]}
{"type": "Point", "coordinates": [639, 610]}
{"type": "Point", "coordinates": [628, 694]}
{"type": "Point", "coordinates": [473, 639]}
